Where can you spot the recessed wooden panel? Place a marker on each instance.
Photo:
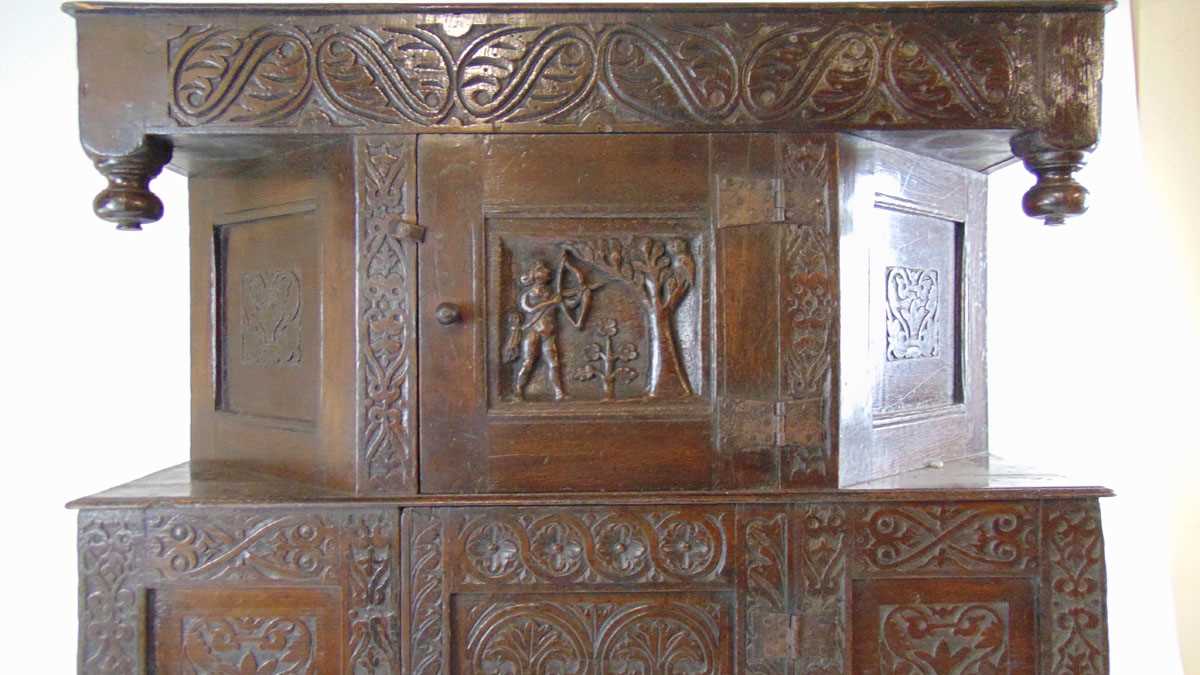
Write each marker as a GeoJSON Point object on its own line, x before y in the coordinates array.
{"type": "Point", "coordinates": [916, 281]}
{"type": "Point", "coordinates": [948, 627]}
{"type": "Point", "coordinates": [268, 307]}
{"type": "Point", "coordinates": [275, 631]}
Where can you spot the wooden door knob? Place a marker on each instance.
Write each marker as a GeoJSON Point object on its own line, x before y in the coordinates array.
{"type": "Point", "coordinates": [447, 313]}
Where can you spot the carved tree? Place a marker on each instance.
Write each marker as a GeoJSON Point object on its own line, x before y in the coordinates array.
{"type": "Point", "coordinates": [663, 273]}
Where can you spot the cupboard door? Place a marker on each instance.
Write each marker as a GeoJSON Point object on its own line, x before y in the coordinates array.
{"type": "Point", "coordinates": [565, 327]}
{"type": "Point", "coordinates": [631, 312]}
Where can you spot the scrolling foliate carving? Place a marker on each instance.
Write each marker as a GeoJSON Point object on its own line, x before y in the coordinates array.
{"type": "Point", "coordinates": [595, 547]}
{"type": "Point", "coordinates": [426, 583]}
{"type": "Point", "coordinates": [948, 639]}
{"type": "Point", "coordinates": [240, 546]}
{"type": "Point", "coordinates": [1075, 633]}
{"type": "Point", "coordinates": [386, 331]}
{"type": "Point", "coordinates": [110, 567]}
{"type": "Point", "coordinates": [873, 69]}
{"type": "Point", "coordinates": [912, 299]}
{"type": "Point", "coordinates": [982, 537]}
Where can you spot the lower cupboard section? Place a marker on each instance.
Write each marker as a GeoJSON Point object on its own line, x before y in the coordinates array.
{"type": "Point", "coordinates": [912, 588]}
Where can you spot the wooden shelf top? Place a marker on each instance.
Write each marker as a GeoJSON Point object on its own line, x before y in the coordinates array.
{"type": "Point", "coordinates": [76, 8]}
{"type": "Point", "coordinates": [978, 478]}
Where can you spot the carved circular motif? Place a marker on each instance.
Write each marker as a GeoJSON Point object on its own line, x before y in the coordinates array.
{"type": "Point", "coordinates": [622, 549]}
{"type": "Point", "coordinates": [556, 548]}
{"type": "Point", "coordinates": [493, 549]}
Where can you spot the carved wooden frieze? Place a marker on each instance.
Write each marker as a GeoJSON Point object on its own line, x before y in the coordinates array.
{"type": "Point", "coordinates": [811, 69]}
{"type": "Point", "coordinates": [111, 550]}
{"type": "Point", "coordinates": [387, 424]}
{"type": "Point", "coordinates": [983, 537]}
{"type": "Point", "coordinates": [593, 547]}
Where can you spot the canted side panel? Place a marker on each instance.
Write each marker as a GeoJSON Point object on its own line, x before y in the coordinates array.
{"type": "Point", "coordinates": [272, 360]}
{"type": "Point", "coordinates": [912, 315]}
{"type": "Point", "coordinates": [386, 380]}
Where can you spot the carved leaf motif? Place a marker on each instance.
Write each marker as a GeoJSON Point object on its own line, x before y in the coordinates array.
{"type": "Point", "coordinates": [913, 297]}
{"type": "Point", "coordinates": [426, 579]}
{"type": "Point", "coordinates": [525, 74]}
{"type": "Point", "coordinates": [224, 76]}
{"type": "Point", "coordinates": [811, 72]}
{"type": "Point", "coordinates": [944, 639]}
{"type": "Point", "coordinates": [371, 558]}
{"type": "Point", "coordinates": [249, 646]}
{"type": "Point", "coordinates": [934, 77]}
{"type": "Point", "coordinates": [271, 328]}
{"type": "Point", "coordinates": [389, 76]}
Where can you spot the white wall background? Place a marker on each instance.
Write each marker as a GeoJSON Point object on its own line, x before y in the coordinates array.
{"type": "Point", "coordinates": [1092, 335]}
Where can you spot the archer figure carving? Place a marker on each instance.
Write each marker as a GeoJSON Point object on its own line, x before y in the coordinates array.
{"type": "Point", "coordinates": [533, 332]}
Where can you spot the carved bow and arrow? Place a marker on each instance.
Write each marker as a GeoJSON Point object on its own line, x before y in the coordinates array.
{"type": "Point", "coordinates": [572, 294]}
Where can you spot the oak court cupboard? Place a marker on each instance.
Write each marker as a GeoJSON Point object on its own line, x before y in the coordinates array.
{"type": "Point", "coordinates": [590, 339]}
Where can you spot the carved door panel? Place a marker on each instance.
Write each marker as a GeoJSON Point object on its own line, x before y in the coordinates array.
{"type": "Point", "coordinates": [568, 325]}
{"type": "Point", "coordinates": [913, 286]}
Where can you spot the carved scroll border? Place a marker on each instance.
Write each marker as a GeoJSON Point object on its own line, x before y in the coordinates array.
{"type": "Point", "coordinates": [386, 331]}
{"type": "Point", "coordinates": [804, 71]}
{"type": "Point", "coordinates": [122, 553]}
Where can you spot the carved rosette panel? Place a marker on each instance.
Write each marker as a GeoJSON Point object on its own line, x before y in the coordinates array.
{"type": "Point", "coordinates": [809, 308]}
{"type": "Point", "coordinates": [869, 69]}
{"type": "Point", "coordinates": [1074, 626]}
{"type": "Point", "coordinates": [353, 549]}
{"type": "Point", "coordinates": [946, 639]}
{"type": "Point", "coordinates": [603, 546]}
{"type": "Point", "coordinates": [387, 425]}
{"type": "Point", "coordinates": [271, 318]}
{"type": "Point", "coordinates": [423, 613]}
{"type": "Point", "coordinates": [991, 538]}
{"type": "Point", "coordinates": [580, 633]}
{"type": "Point", "coordinates": [821, 603]}
{"type": "Point", "coordinates": [110, 586]}
{"type": "Point", "coordinates": [278, 646]}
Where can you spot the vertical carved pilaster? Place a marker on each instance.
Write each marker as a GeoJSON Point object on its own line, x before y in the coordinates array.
{"type": "Point", "coordinates": [372, 591]}
{"type": "Point", "coordinates": [128, 201]}
{"type": "Point", "coordinates": [387, 379]}
{"type": "Point", "coordinates": [1074, 638]}
{"type": "Point", "coordinates": [809, 309]}
{"type": "Point", "coordinates": [424, 610]}
{"type": "Point", "coordinates": [763, 578]}
{"type": "Point", "coordinates": [823, 543]}
{"type": "Point", "coordinates": [110, 592]}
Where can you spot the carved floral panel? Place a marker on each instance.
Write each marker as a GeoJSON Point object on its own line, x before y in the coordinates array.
{"type": "Point", "coordinates": [271, 318]}
{"type": "Point", "coordinates": [821, 70]}
{"type": "Point", "coordinates": [594, 547]}
{"type": "Point", "coordinates": [944, 639]}
{"type": "Point", "coordinates": [584, 633]}
{"type": "Point", "coordinates": [275, 646]}
{"type": "Point", "coordinates": [912, 300]}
